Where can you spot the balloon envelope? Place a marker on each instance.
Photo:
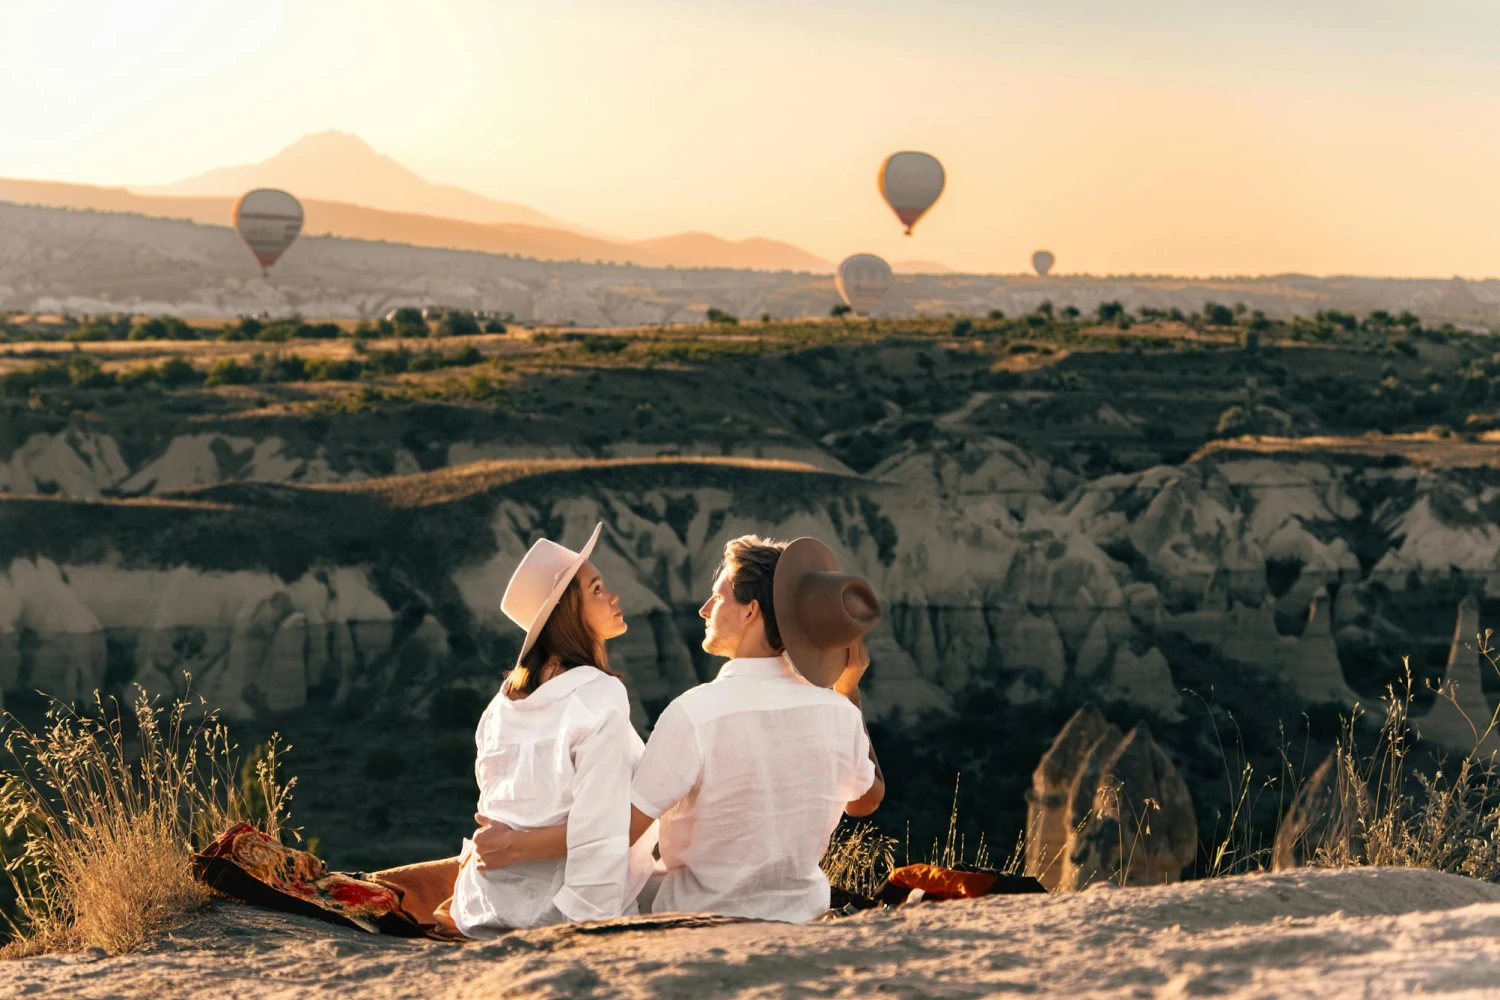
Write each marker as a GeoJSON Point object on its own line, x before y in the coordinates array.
{"type": "Point", "coordinates": [910, 183]}
{"type": "Point", "coordinates": [863, 280]}
{"type": "Point", "coordinates": [1043, 260]}
{"type": "Point", "coordinates": [268, 221]}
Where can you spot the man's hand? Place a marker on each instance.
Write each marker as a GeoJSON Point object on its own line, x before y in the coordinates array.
{"type": "Point", "coordinates": [498, 846]}
{"type": "Point", "coordinates": [856, 665]}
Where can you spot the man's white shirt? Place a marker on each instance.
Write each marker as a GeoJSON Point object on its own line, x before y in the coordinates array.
{"type": "Point", "coordinates": [750, 774]}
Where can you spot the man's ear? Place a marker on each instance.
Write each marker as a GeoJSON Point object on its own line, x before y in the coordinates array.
{"type": "Point", "coordinates": [752, 611]}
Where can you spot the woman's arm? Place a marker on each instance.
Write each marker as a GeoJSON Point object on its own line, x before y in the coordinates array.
{"type": "Point", "coordinates": [596, 878]}
{"type": "Point", "coordinates": [499, 846]}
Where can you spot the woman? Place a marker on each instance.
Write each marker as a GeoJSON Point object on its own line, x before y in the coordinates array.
{"type": "Point", "coordinates": [555, 750]}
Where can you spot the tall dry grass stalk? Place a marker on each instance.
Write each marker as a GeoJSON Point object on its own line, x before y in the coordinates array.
{"type": "Point", "coordinates": [1385, 812]}
{"type": "Point", "coordinates": [108, 804]}
{"type": "Point", "coordinates": [860, 857]}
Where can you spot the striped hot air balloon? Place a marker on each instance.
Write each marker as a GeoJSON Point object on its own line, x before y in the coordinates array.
{"type": "Point", "coordinates": [910, 183]}
{"type": "Point", "coordinates": [863, 280]}
{"type": "Point", "coordinates": [268, 221]}
{"type": "Point", "coordinates": [1042, 261]}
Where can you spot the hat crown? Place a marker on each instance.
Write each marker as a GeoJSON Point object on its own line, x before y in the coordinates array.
{"type": "Point", "coordinates": [534, 580]}
{"type": "Point", "coordinates": [834, 609]}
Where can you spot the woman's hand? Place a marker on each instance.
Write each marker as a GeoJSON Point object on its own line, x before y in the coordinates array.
{"type": "Point", "coordinates": [499, 846]}
{"type": "Point", "coordinates": [858, 662]}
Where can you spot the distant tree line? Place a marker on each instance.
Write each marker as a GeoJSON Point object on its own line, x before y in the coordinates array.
{"type": "Point", "coordinates": [82, 371]}
{"type": "Point", "coordinates": [407, 322]}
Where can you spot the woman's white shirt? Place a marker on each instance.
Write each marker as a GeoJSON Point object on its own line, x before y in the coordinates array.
{"type": "Point", "coordinates": [563, 754]}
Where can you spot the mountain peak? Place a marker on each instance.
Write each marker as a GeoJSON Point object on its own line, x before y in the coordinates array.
{"type": "Point", "coordinates": [339, 166]}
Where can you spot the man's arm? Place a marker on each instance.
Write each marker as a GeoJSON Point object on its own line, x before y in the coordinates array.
{"type": "Point", "coordinates": [639, 824]}
{"type": "Point", "coordinates": [499, 846]}
{"type": "Point", "coordinates": [848, 686]}
{"type": "Point", "coordinates": [870, 801]}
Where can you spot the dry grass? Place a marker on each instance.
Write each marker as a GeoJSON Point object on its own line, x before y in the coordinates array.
{"type": "Point", "coordinates": [107, 807]}
{"type": "Point", "coordinates": [459, 481]}
{"type": "Point", "coordinates": [1385, 812]}
{"type": "Point", "coordinates": [860, 857]}
{"type": "Point", "coordinates": [1422, 450]}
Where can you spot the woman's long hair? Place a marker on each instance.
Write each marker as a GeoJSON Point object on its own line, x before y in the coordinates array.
{"type": "Point", "coordinates": [565, 642]}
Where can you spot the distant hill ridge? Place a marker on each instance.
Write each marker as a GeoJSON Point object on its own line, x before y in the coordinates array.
{"type": "Point", "coordinates": [352, 191]}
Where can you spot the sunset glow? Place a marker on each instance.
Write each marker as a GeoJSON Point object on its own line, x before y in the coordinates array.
{"type": "Point", "coordinates": [1160, 138]}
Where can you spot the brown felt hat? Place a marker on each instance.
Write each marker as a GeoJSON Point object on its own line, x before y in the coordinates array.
{"type": "Point", "coordinates": [820, 610]}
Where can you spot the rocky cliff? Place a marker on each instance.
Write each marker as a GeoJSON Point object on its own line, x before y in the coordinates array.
{"type": "Point", "coordinates": [995, 566]}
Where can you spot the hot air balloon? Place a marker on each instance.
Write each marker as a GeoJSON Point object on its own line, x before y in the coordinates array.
{"type": "Point", "coordinates": [268, 221]}
{"type": "Point", "coordinates": [863, 280]}
{"type": "Point", "coordinates": [1043, 260]}
{"type": "Point", "coordinates": [910, 183]}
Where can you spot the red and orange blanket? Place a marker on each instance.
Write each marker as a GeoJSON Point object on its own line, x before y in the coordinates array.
{"type": "Point", "coordinates": [247, 865]}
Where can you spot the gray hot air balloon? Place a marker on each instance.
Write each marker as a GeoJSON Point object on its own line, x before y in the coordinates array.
{"type": "Point", "coordinates": [910, 183]}
{"type": "Point", "coordinates": [1043, 260]}
{"type": "Point", "coordinates": [268, 221]}
{"type": "Point", "coordinates": [863, 280]}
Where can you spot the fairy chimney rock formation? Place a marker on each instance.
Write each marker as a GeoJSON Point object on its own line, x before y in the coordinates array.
{"type": "Point", "coordinates": [1130, 818]}
{"type": "Point", "coordinates": [1461, 715]}
{"type": "Point", "coordinates": [1051, 785]}
{"type": "Point", "coordinates": [1311, 664]}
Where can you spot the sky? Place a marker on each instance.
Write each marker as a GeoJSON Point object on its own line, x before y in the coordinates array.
{"type": "Point", "coordinates": [1192, 137]}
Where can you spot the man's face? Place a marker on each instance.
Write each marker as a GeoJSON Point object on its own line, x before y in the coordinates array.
{"type": "Point", "coordinates": [727, 618]}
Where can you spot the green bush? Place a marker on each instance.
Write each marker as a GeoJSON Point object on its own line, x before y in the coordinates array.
{"type": "Point", "coordinates": [604, 344]}
{"type": "Point", "coordinates": [334, 370]}
{"type": "Point", "coordinates": [162, 328]}
{"type": "Point", "coordinates": [388, 362]}
{"type": "Point", "coordinates": [365, 330]}
{"type": "Point", "coordinates": [840, 310]}
{"type": "Point", "coordinates": [277, 331]}
{"type": "Point", "coordinates": [89, 333]}
{"type": "Point", "coordinates": [1111, 312]}
{"type": "Point", "coordinates": [1215, 314]}
{"type": "Point", "coordinates": [408, 322]}
{"type": "Point", "coordinates": [228, 371]}
{"type": "Point", "coordinates": [721, 317]}
{"type": "Point", "coordinates": [457, 323]}
{"type": "Point", "coordinates": [246, 328]}
{"type": "Point", "coordinates": [84, 372]}
{"type": "Point", "coordinates": [177, 371]}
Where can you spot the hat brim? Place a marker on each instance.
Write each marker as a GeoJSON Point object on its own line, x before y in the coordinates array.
{"type": "Point", "coordinates": [550, 604]}
{"type": "Point", "coordinates": [801, 557]}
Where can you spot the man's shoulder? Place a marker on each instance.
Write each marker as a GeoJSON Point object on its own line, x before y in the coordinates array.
{"type": "Point", "coordinates": [714, 699]}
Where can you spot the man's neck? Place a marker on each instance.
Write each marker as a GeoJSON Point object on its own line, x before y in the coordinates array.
{"type": "Point", "coordinates": [755, 647]}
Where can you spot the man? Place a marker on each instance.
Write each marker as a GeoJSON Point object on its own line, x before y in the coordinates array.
{"type": "Point", "coordinates": [750, 773]}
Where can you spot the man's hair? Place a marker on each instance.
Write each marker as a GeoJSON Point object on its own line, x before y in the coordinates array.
{"type": "Point", "coordinates": [751, 562]}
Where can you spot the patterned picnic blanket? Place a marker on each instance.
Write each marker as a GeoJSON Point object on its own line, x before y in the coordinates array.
{"type": "Point", "coordinates": [246, 864]}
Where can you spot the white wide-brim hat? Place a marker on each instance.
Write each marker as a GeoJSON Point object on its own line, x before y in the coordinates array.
{"type": "Point", "coordinates": [538, 584]}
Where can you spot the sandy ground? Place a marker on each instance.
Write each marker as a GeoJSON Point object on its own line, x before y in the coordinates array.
{"type": "Point", "coordinates": [1357, 933]}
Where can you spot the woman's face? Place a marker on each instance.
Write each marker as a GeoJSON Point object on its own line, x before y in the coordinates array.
{"type": "Point", "coordinates": [601, 607]}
